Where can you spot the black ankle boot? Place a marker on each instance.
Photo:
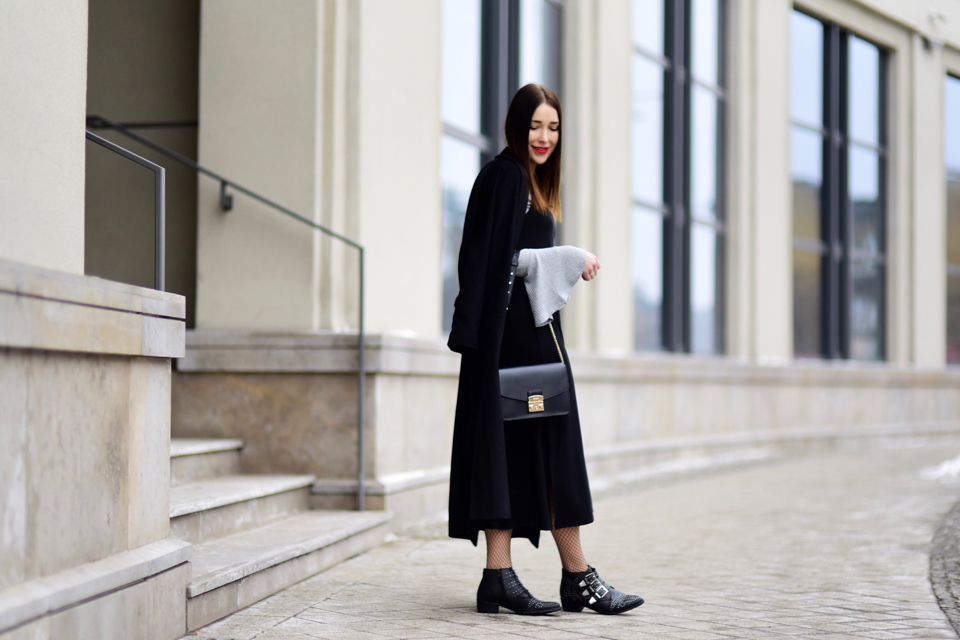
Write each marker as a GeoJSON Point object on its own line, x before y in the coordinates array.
{"type": "Point", "coordinates": [502, 588]}
{"type": "Point", "coordinates": [587, 589]}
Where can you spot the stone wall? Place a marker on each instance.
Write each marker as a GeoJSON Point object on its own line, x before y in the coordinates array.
{"type": "Point", "coordinates": [84, 457]}
{"type": "Point", "coordinates": [292, 399]}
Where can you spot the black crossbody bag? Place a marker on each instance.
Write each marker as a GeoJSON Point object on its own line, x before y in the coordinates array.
{"type": "Point", "coordinates": [536, 391]}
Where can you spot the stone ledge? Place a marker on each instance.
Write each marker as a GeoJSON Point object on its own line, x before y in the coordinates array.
{"type": "Point", "coordinates": [54, 311]}
{"type": "Point", "coordinates": [734, 448]}
{"type": "Point", "coordinates": [48, 284]}
{"type": "Point", "coordinates": [384, 485]}
{"type": "Point", "coordinates": [241, 555]}
{"type": "Point", "coordinates": [766, 438]}
{"type": "Point", "coordinates": [203, 495]}
{"type": "Point", "coordinates": [316, 352]}
{"type": "Point", "coordinates": [328, 352]}
{"type": "Point", "coordinates": [36, 598]}
{"type": "Point", "coordinates": [180, 447]}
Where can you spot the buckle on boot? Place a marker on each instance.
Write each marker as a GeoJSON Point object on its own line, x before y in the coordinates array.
{"type": "Point", "coordinates": [593, 585]}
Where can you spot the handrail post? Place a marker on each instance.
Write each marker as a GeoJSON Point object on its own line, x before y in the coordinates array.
{"type": "Point", "coordinates": [160, 243]}
{"type": "Point", "coordinates": [361, 383]}
{"type": "Point", "coordinates": [159, 205]}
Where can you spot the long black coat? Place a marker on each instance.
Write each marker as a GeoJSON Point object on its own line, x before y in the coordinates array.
{"type": "Point", "coordinates": [480, 492]}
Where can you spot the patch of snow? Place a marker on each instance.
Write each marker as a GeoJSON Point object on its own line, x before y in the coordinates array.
{"type": "Point", "coordinates": [944, 471]}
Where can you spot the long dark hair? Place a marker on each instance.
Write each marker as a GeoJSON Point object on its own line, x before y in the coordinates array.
{"type": "Point", "coordinates": [544, 179]}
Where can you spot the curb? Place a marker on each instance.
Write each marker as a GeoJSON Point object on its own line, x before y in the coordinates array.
{"type": "Point", "coordinates": [945, 566]}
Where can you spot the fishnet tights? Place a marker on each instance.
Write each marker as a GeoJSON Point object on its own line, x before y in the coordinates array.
{"type": "Point", "coordinates": [567, 539]}
{"type": "Point", "coordinates": [498, 548]}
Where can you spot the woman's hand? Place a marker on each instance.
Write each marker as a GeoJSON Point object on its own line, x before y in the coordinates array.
{"type": "Point", "coordinates": [591, 267]}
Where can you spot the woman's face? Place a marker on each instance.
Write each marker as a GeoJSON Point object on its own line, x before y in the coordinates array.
{"type": "Point", "coordinates": [544, 133]}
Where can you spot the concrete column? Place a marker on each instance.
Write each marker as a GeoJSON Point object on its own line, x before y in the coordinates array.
{"type": "Point", "coordinates": [928, 208]}
{"type": "Point", "coordinates": [260, 125]}
{"type": "Point", "coordinates": [738, 299]}
{"type": "Point", "coordinates": [580, 161]}
{"type": "Point", "coordinates": [395, 162]}
{"type": "Point", "coordinates": [613, 323]}
{"type": "Point", "coordinates": [43, 81]}
{"type": "Point", "coordinates": [597, 170]}
{"type": "Point", "coordinates": [762, 228]}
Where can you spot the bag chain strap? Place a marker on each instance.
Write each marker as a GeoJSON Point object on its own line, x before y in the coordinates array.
{"type": "Point", "coordinates": [550, 324]}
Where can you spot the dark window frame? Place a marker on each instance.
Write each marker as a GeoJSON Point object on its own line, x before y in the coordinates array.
{"type": "Point", "coordinates": [678, 220]}
{"type": "Point", "coordinates": [837, 253]}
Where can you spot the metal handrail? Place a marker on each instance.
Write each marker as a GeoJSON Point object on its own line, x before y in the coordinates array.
{"type": "Point", "coordinates": [159, 205]}
{"type": "Point", "coordinates": [226, 202]}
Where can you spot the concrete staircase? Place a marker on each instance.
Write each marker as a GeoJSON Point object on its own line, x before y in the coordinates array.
{"type": "Point", "coordinates": [253, 535]}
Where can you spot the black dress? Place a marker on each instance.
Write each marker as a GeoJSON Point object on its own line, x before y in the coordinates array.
{"type": "Point", "coordinates": [505, 474]}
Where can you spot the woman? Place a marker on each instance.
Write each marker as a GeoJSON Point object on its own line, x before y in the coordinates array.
{"type": "Point", "coordinates": [517, 478]}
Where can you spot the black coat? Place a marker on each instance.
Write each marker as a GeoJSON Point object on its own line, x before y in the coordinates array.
{"type": "Point", "coordinates": [481, 495]}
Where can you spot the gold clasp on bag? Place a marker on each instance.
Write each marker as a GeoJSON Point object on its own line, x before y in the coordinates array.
{"type": "Point", "coordinates": [534, 404]}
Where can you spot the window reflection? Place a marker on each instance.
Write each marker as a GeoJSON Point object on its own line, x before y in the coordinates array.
{"type": "Point", "coordinates": [648, 24]}
{"type": "Point", "coordinates": [866, 311]}
{"type": "Point", "coordinates": [953, 319]}
{"type": "Point", "coordinates": [647, 271]}
{"type": "Point", "coordinates": [953, 123]}
{"type": "Point", "coordinates": [865, 199]}
{"type": "Point", "coordinates": [806, 157]}
{"type": "Point", "coordinates": [953, 217]}
{"type": "Point", "coordinates": [704, 269]}
{"type": "Point", "coordinates": [836, 107]}
{"type": "Point", "coordinates": [459, 164]}
{"type": "Point", "coordinates": [647, 131]}
{"type": "Point", "coordinates": [864, 73]}
{"type": "Point", "coordinates": [460, 66]}
{"type": "Point", "coordinates": [703, 187]}
{"type": "Point", "coordinates": [952, 143]}
{"type": "Point", "coordinates": [806, 69]}
{"type": "Point", "coordinates": [806, 304]}
{"type": "Point", "coordinates": [540, 50]}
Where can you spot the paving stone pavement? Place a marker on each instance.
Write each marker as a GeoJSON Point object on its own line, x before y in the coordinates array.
{"type": "Point", "coordinates": [833, 546]}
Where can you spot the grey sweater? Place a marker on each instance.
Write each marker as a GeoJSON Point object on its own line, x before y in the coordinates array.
{"type": "Point", "coordinates": [548, 276]}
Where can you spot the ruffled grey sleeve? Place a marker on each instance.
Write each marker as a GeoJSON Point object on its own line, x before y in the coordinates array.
{"type": "Point", "coordinates": [548, 276]}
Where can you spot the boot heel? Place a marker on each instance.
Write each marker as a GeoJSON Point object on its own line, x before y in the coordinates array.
{"type": "Point", "coordinates": [488, 607]}
{"type": "Point", "coordinates": [571, 605]}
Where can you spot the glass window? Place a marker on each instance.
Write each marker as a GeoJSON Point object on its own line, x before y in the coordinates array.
{"type": "Point", "coordinates": [864, 178]}
{"type": "Point", "coordinates": [540, 50]}
{"type": "Point", "coordinates": [647, 131]}
{"type": "Point", "coordinates": [952, 128]}
{"type": "Point", "coordinates": [807, 305]}
{"type": "Point", "coordinates": [838, 159]}
{"type": "Point", "coordinates": [703, 161]}
{"type": "Point", "coordinates": [648, 25]}
{"type": "Point", "coordinates": [866, 310]}
{"type": "Point", "coordinates": [704, 270]}
{"type": "Point", "coordinates": [677, 112]}
{"type": "Point", "coordinates": [864, 93]}
{"type": "Point", "coordinates": [806, 160]}
{"type": "Point", "coordinates": [806, 70]}
{"type": "Point", "coordinates": [460, 65]}
{"type": "Point", "coordinates": [647, 271]}
{"type": "Point", "coordinates": [476, 36]}
{"type": "Point", "coordinates": [705, 16]}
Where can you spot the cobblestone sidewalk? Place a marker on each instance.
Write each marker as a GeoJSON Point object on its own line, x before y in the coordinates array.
{"type": "Point", "coordinates": [829, 547]}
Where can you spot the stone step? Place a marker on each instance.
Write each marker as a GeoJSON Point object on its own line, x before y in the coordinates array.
{"type": "Point", "coordinates": [238, 570]}
{"type": "Point", "coordinates": [217, 507]}
{"type": "Point", "coordinates": [194, 459]}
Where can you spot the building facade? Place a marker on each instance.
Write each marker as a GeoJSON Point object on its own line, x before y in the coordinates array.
{"type": "Point", "coordinates": [772, 188]}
